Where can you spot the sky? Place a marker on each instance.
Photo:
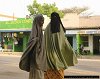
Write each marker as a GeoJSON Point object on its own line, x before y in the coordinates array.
{"type": "Point", "coordinates": [19, 7]}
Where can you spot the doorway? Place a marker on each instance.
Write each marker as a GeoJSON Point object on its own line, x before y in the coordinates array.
{"type": "Point", "coordinates": [96, 45]}
{"type": "Point", "coordinates": [70, 39]}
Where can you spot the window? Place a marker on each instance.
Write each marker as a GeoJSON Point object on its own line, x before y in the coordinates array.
{"type": "Point", "coordinates": [85, 41]}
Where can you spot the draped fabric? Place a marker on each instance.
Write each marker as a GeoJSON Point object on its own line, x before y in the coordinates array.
{"type": "Point", "coordinates": [33, 59]}
{"type": "Point", "coordinates": [59, 52]}
{"type": "Point", "coordinates": [54, 74]}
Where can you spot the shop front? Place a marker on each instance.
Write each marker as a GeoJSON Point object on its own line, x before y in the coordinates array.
{"type": "Point", "coordinates": [14, 35]}
{"type": "Point", "coordinates": [14, 41]}
{"type": "Point", "coordinates": [88, 38]}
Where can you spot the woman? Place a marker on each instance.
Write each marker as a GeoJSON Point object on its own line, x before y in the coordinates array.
{"type": "Point", "coordinates": [59, 52]}
{"type": "Point", "coordinates": [34, 54]}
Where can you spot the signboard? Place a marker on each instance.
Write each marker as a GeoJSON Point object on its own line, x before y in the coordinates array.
{"type": "Point", "coordinates": [92, 31]}
{"type": "Point", "coordinates": [16, 24]}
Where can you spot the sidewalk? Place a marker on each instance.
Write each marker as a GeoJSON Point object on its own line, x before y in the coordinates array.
{"type": "Point", "coordinates": [89, 57]}
{"type": "Point", "coordinates": [11, 53]}
{"type": "Point", "coordinates": [80, 57]}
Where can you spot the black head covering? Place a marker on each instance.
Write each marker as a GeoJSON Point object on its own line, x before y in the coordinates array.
{"type": "Point", "coordinates": [55, 23]}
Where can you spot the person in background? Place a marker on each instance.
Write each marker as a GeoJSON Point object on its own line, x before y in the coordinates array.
{"type": "Point", "coordinates": [81, 48]}
{"type": "Point", "coordinates": [33, 59]}
{"type": "Point", "coordinates": [59, 52]}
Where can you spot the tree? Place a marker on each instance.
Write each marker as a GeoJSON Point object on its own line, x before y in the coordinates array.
{"type": "Point", "coordinates": [45, 9]}
{"type": "Point", "coordinates": [77, 10]}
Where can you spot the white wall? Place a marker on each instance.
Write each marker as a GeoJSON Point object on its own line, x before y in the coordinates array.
{"type": "Point", "coordinates": [91, 43]}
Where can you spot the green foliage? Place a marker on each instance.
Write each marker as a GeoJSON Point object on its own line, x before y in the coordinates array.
{"type": "Point", "coordinates": [45, 9]}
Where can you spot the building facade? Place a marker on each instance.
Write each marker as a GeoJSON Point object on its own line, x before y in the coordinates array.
{"type": "Point", "coordinates": [86, 33]}
{"type": "Point", "coordinates": [79, 31]}
{"type": "Point", "coordinates": [14, 34]}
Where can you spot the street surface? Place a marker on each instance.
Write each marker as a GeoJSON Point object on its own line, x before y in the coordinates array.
{"type": "Point", "coordinates": [9, 68]}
